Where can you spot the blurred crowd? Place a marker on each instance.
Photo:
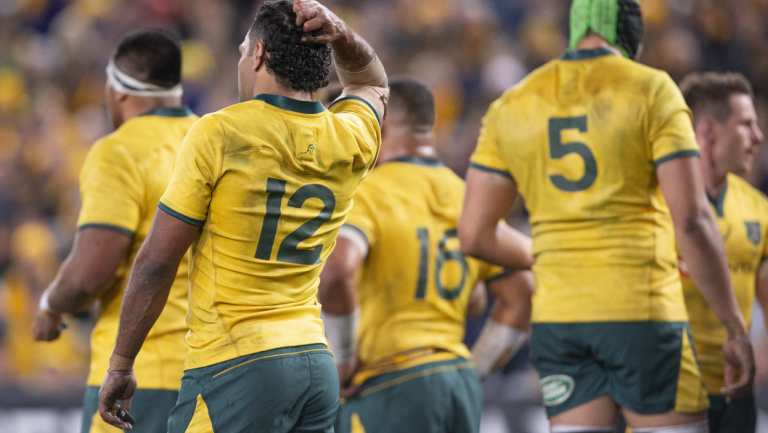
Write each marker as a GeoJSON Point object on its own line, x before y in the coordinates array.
{"type": "Point", "coordinates": [52, 59]}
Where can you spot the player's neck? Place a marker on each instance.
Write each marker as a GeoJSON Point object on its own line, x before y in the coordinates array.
{"type": "Point", "coordinates": [714, 182]}
{"type": "Point", "coordinates": [272, 87]}
{"type": "Point", "coordinates": [593, 41]}
{"type": "Point", "coordinates": [416, 147]}
{"type": "Point", "coordinates": [139, 106]}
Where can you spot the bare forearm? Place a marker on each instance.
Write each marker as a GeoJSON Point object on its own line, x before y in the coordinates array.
{"type": "Point", "coordinates": [702, 249]}
{"type": "Point", "coordinates": [514, 296]}
{"type": "Point", "coordinates": [502, 245]}
{"type": "Point", "coordinates": [64, 296]}
{"type": "Point", "coordinates": [340, 299]}
{"type": "Point", "coordinates": [351, 52]}
{"type": "Point", "coordinates": [143, 302]}
{"type": "Point", "coordinates": [71, 293]}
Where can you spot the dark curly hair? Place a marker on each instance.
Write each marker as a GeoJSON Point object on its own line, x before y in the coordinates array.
{"type": "Point", "coordinates": [296, 65]}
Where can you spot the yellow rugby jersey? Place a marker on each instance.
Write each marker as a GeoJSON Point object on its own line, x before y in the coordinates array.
{"type": "Point", "coordinates": [121, 182]}
{"type": "Point", "coordinates": [415, 284]}
{"type": "Point", "coordinates": [742, 216]}
{"type": "Point", "coordinates": [270, 181]}
{"type": "Point", "coordinates": [582, 136]}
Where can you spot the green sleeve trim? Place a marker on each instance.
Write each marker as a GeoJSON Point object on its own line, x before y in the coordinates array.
{"type": "Point", "coordinates": [357, 98]}
{"type": "Point", "coordinates": [495, 277]}
{"type": "Point", "coordinates": [360, 231]}
{"type": "Point", "coordinates": [105, 226]}
{"type": "Point", "coordinates": [676, 155]}
{"type": "Point", "coordinates": [179, 216]}
{"type": "Point", "coordinates": [489, 169]}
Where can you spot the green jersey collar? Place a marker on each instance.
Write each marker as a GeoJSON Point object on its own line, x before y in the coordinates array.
{"type": "Point", "coordinates": [290, 104]}
{"type": "Point", "coordinates": [170, 112]}
{"type": "Point", "coordinates": [587, 54]}
{"type": "Point", "coordinates": [418, 160]}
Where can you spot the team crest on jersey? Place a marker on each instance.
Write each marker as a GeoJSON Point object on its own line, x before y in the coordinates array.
{"type": "Point", "coordinates": [556, 389]}
{"type": "Point", "coordinates": [753, 231]}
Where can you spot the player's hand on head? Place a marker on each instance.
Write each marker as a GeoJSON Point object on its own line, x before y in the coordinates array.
{"type": "Point", "coordinates": [47, 326]}
{"type": "Point", "coordinates": [739, 366]}
{"type": "Point", "coordinates": [321, 26]}
{"type": "Point", "coordinates": [115, 398]}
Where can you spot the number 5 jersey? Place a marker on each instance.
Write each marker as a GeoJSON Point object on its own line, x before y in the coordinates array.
{"type": "Point", "coordinates": [582, 137]}
{"type": "Point", "coordinates": [270, 182]}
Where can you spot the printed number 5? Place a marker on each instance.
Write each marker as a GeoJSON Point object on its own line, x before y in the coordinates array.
{"type": "Point", "coordinates": [558, 150]}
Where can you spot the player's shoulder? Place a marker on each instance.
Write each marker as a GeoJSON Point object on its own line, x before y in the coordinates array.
{"type": "Point", "coordinates": [385, 176]}
{"type": "Point", "coordinates": [747, 191]}
{"type": "Point", "coordinates": [228, 117]}
{"type": "Point", "coordinates": [357, 103]}
{"type": "Point", "coordinates": [114, 146]}
{"type": "Point", "coordinates": [531, 84]}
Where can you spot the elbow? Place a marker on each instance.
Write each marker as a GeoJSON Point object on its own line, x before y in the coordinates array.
{"type": "Point", "coordinates": [469, 239]}
{"type": "Point", "coordinates": [697, 223]}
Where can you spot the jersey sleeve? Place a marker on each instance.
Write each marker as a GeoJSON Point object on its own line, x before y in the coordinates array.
{"type": "Point", "coordinates": [362, 217]}
{"type": "Point", "coordinates": [670, 126]}
{"type": "Point", "coordinates": [486, 156]}
{"type": "Point", "coordinates": [111, 189]}
{"type": "Point", "coordinates": [490, 272]}
{"type": "Point", "coordinates": [197, 169]}
{"type": "Point", "coordinates": [365, 122]}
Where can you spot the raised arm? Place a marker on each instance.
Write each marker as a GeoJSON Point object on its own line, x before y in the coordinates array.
{"type": "Point", "coordinates": [701, 247]}
{"type": "Point", "coordinates": [153, 273]}
{"type": "Point", "coordinates": [360, 71]}
{"type": "Point", "coordinates": [85, 274]}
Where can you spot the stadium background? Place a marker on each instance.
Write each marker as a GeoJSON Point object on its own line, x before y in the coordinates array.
{"type": "Point", "coordinates": [52, 58]}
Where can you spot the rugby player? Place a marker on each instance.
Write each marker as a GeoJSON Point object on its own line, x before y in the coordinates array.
{"type": "Point", "coordinates": [728, 135]}
{"type": "Point", "coordinates": [594, 143]}
{"type": "Point", "coordinates": [411, 369]}
{"type": "Point", "coordinates": [260, 191]}
{"type": "Point", "coordinates": [123, 177]}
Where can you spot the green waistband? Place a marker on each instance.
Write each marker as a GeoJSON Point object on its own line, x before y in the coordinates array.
{"type": "Point", "coordinates": [223, 367]}
{"type": "Point", "coordinates": [422, 370]}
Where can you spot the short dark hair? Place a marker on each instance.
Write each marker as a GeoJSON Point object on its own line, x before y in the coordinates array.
{"type": "Point", "coordinates": [296, 65]}
{"type": "Point", "coordinates": [152, 56]}
{"type": "Point", "coordinates": [416, 100]}
{"type": "Point", "coordinates": [709, 92]}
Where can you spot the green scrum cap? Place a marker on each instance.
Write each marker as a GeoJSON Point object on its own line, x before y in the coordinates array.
{"type": "Point", "coordinates": [619, 22]}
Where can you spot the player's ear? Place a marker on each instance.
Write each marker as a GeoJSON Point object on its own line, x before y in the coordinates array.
{"type": "Point", "coordinates": [258, 54]}
{"type": "Point", "coordinates": [706, 130]}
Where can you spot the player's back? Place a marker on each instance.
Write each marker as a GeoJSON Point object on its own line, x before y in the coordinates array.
{"type": "Point", "coordinates": [122, 181]}
{"type": "Point", "coordinates": [415, 284]}
{"type": "Point", "coordinates": [271, 182]}
{"type": "Point", "coordinates": [582, 137]}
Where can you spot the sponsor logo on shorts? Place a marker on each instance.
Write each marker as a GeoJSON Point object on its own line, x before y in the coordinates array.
{"type": "Point", "coordinates": [556, 389]}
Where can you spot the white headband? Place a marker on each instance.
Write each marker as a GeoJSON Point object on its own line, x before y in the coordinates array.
{"type": "Point", "coordinates": [124, 83]}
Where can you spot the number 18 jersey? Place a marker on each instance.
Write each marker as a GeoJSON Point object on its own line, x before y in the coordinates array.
{"type": "Point", "coordinates": [415, 284]}
{"type": "Point", "coordinates": [270, 182]}
{"type": "Point", "coordinates": [582, 137]}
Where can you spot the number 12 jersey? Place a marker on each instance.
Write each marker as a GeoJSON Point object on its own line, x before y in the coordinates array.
{"type": "Point", "coordinates": [582, 137]}
{"type": "Point", "coordinates": [270, 182]}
